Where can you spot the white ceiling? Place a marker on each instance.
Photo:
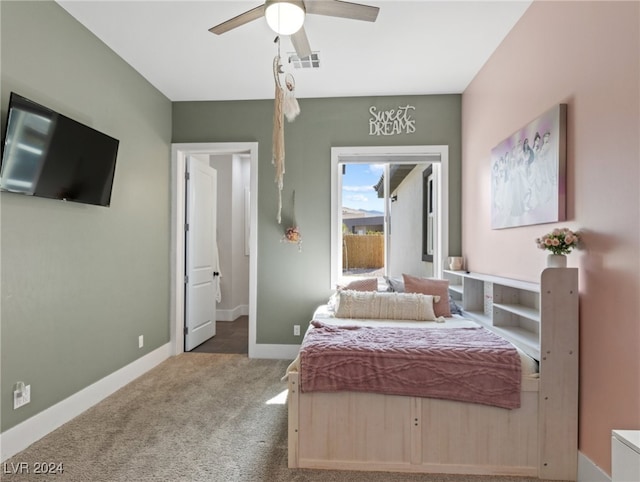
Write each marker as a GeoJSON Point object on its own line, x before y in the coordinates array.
{"type": "Point", "coordinates": [414, 47]}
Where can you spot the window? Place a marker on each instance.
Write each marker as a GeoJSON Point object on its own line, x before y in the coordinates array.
{"type": "Point", "coordinates": [438, 156]}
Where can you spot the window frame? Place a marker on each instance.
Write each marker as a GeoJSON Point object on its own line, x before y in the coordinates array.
{"type": "Point", "coordinates": [438, 154]}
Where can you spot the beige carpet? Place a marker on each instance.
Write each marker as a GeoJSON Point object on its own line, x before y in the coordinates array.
{"type": "Point", "coordinates": [195, 417]}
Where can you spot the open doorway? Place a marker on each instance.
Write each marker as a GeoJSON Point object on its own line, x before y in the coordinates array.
{"type": "Point", "coordinates": [221, 153]}
{"type": "Point", "coordinates": [397, 163]}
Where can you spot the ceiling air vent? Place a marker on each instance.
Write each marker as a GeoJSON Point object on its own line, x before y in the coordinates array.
{"type": "Point", "coordinates": [310, 62]}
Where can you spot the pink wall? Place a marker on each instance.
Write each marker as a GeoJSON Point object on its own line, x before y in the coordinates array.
{"type": "Point", "coordinates": [584, 54]}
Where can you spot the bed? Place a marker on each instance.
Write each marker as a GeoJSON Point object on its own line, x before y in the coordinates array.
{"type": "Point", "coordinates": [353, 429]}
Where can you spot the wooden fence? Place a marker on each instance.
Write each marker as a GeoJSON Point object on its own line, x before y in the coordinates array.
{"type": "Point", "coordinates": [362, 251]}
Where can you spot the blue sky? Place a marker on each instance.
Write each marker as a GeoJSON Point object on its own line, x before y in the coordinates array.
{"type": "Point", "coordinates": [357, 187]}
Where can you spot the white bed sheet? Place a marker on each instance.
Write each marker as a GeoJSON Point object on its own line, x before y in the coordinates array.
{"type": "Point", "coordinates": [326, 314]}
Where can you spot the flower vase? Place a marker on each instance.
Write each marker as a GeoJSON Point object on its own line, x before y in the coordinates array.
{"type": "Point", "coordinates": [556, 261]}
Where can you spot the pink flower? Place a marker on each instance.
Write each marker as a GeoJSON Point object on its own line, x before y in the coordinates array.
{"type": "Point", "coordinates": [558, 241]}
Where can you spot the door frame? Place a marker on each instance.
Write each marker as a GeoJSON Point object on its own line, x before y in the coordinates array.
{"type": "Point", "coordinates": [179, 152]}
{"type": "Point", "coordinates": [395, 155]}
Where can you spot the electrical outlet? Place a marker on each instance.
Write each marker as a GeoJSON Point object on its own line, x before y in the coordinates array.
{"type": "Point", "coordinates": [140, 341]}
{"type": "Point", "coordinates": [21, 396]}
{"type": "Point", "coordinates": [296, 330]}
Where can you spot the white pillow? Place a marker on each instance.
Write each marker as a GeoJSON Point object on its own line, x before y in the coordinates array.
{"type": "Point", "coordinates": [385, 305]}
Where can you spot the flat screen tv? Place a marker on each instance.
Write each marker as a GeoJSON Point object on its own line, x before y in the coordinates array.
{"type": "Point", "coordinates": [49, 155]}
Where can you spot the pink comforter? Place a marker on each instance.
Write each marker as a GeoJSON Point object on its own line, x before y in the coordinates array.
{"type": "Point", "coordinates": [464, 364]}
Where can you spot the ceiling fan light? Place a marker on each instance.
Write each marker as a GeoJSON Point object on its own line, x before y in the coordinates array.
{"type": "Point", "coordinates": [284, 17]}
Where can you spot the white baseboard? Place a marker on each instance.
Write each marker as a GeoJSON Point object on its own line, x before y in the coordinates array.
{"type": "Point", "coordinates": [277, 352]}
{"type": "Point", "coordinates": [590, 472]}
{"type": "Point", "coordinates": [34, 428]}
{"type": "Point", "coordinates": [233, 314]}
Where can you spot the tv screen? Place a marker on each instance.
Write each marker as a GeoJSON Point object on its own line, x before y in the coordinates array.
{"type": "Point", "coordinates": [49, 155]}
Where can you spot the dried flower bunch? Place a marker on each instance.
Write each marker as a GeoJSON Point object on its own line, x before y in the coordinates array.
{"type": "Point", "coordinates": [292, 235]}
{"type": "Point", "coordinates": [559, 241]}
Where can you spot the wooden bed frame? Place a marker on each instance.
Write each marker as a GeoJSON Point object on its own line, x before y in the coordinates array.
{"type": "Point", "coordinates": [368, 431]}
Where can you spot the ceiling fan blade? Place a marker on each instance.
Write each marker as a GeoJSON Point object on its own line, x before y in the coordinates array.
{"type": "Point", "coordinates": [239, 20]}
{"type": "Point", "coordinates": [338, 8]}
{"type": "Point", "coordinates": [301, 43]}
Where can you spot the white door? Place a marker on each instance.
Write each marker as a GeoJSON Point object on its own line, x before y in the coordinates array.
{"type": "Point", "coordinates": [201, 260]}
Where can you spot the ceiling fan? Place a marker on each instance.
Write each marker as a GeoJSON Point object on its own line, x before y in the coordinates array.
{"type": "Point", "coordinates": [286, 17]}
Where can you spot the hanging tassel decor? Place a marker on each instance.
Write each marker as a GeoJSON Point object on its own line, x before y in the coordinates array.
{"type": "Point", "coordinates": [278, 134]}
{"type": "Point", "coordinates": [285, 104]}
{"type": "Point", "coordinates": [291, 106]}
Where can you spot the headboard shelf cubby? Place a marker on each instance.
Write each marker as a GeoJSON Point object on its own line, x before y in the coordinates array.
{"type": "Point", "coordinates": [542, 320]}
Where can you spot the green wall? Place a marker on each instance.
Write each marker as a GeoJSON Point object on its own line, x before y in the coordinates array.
{"type": "Point", "coordinates": [291, 284]}
{"type": "Point", "coordinates": [79, 282]}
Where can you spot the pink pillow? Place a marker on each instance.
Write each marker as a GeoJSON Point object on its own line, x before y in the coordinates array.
{"type": "Point", "coordinates": [430, 286]}
{"type": "Point", "coordinates": [369, 284]}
